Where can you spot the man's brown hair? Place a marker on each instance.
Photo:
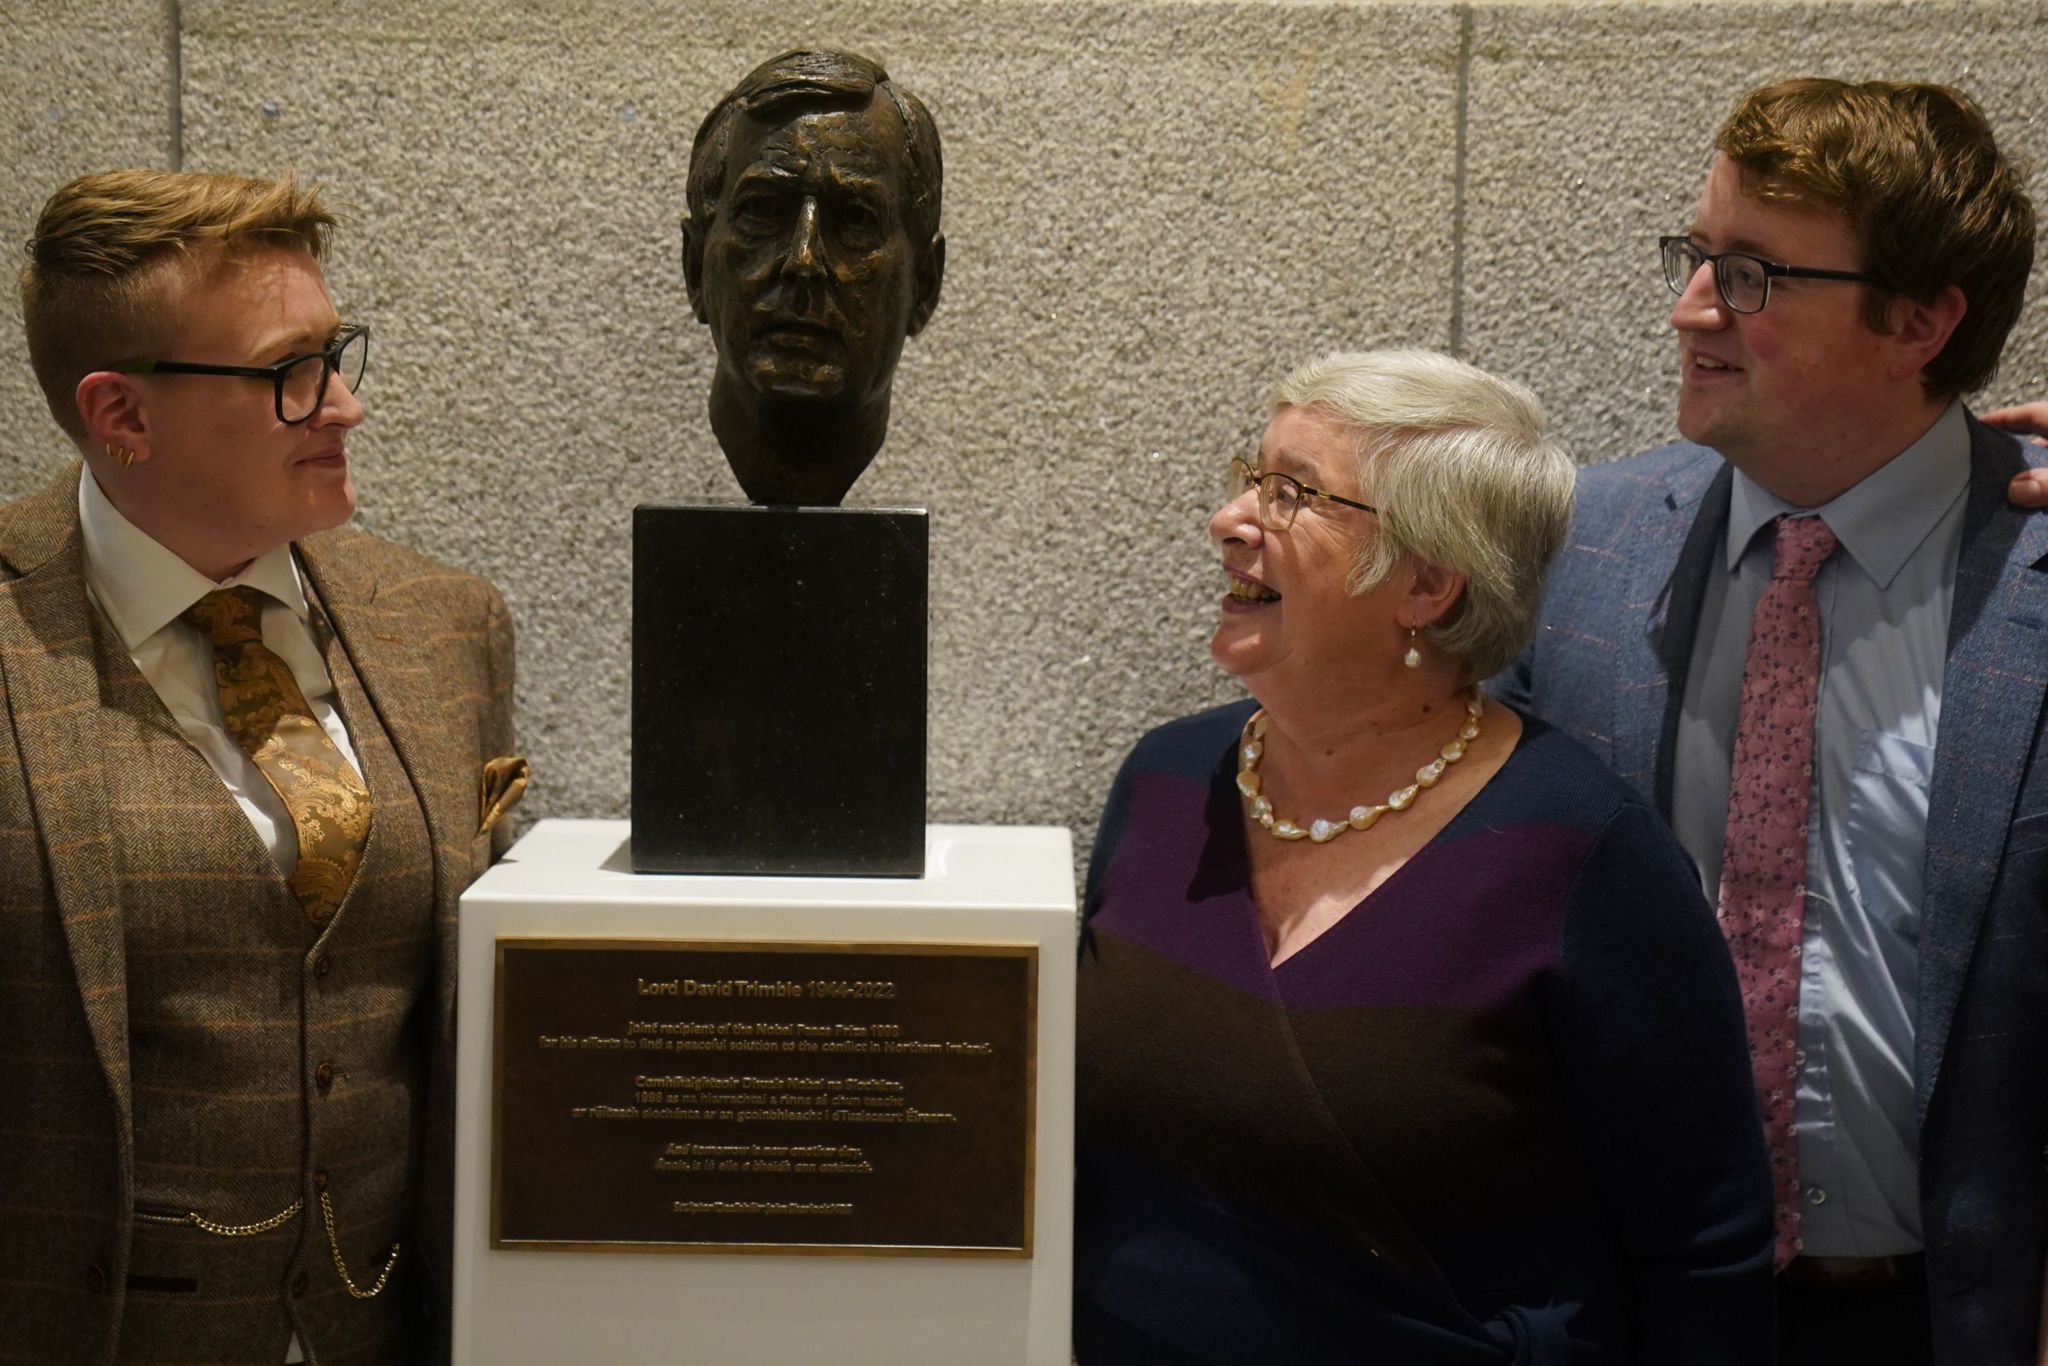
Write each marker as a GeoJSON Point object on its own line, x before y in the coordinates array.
{"type": "Point", "coordinates": [98, 288]}
{"type": "Point", "coordinates": [1920, 177]}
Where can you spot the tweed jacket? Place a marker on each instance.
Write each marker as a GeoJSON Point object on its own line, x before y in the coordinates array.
{"type": "Point", "coordinates": [433, 650]}
{"type": "Point", "coordinates": [1609, 666]}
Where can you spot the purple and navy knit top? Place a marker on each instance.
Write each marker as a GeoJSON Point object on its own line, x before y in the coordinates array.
{"type": "Point", "coordinates": [1500, 1112]}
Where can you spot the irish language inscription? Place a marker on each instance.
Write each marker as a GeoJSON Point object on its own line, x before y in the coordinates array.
{"type": "Point", "coordinates": [800, 1097]}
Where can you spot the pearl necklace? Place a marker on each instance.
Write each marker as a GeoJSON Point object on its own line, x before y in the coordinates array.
{"type": "Point", "coordinates": [1253, 748]}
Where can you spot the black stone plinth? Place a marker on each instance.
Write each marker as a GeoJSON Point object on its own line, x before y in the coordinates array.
{"type": "Point", "coordinates": [779, 690]}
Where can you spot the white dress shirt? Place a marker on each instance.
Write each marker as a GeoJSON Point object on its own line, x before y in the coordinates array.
{"type": "Point", "coordinates": [1884, 601]}
{"type": "Point", "coordinates": [143, 589]}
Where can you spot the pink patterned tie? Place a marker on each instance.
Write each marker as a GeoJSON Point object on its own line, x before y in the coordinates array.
{"type": "Point", "coordinates": [1763, 861]}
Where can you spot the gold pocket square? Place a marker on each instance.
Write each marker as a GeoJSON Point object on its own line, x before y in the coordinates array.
{"type": "Point", "coordinates": [504, 783]}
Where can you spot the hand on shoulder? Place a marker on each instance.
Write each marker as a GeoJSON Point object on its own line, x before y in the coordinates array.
{"type": "Point", "coordinates": [2028, 421]}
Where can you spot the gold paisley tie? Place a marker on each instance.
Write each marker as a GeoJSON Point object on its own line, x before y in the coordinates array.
{"type": "Point", "coordinates": [269, 718]}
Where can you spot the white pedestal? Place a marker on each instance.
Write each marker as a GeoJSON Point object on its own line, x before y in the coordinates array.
{"type": "Point", "coordinates": [571, 879]}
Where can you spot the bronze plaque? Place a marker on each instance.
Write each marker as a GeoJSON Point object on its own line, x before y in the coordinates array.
{"type": "Point", "coordinates": [698, 1096]}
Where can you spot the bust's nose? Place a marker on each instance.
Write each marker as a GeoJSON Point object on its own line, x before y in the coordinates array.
{"type": "Point", "coordinates": [804, 256]}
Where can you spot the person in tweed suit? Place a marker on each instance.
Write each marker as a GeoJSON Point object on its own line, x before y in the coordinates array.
{"type": "Point", "coordinates": [1857, 259]}
{"type": "Point", "coordinates": [227, 1129]}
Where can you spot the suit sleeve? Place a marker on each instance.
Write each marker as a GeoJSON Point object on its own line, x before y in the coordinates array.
{"type": "Point", "coordinates": [1655, 1065]}
{"type": "Point", "coordinates": [498, 737]}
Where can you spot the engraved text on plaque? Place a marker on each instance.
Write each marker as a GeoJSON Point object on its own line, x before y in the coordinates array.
{"type": "Point", "coordinates": [771, 1097]}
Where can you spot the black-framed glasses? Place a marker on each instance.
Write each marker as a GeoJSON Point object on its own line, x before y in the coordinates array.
{"type": "Point", "coordinates": [300, 382]}
{"type": "Point", "coordinates": [1743, 280]}
{"type": "Point", "coordinates": [1281, 495]}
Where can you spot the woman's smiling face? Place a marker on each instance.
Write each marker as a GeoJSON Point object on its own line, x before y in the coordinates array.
{"type": "Point", "coordinates": [1287, 613]}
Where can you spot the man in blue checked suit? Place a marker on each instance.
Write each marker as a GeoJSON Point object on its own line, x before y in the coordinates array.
{"type": "Point", "coordinates": [1857, 258]}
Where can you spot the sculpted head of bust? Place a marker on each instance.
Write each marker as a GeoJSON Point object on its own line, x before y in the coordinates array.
{"type": "Point", "coordinates": [811, 249]}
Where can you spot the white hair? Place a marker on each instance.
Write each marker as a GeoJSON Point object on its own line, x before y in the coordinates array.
{"type": "Point", "coordinates": [1465, 479]}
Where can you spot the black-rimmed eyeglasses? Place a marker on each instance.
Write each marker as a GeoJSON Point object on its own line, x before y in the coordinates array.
{"type": "Point", "coordinates": [1743, 280]}
{"type": "Point", "coordinates": [300, 382]}
{"type": "Point", "coordinates": [1281, 495]}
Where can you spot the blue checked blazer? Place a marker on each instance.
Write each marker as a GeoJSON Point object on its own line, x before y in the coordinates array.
{"type": "Point", "coordinates": [1609, 665]}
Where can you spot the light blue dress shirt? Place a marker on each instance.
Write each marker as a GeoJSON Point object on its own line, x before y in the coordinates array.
{"type": "Point", "coordinates": [1884, 606]}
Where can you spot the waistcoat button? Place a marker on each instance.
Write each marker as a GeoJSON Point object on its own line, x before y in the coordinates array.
{"type": "Point", "coordinates": [322, 965]}
{"type": "Point", "coordinates": [323, 1075]}
{"type": "Point", "coordinates": [96, 1279]}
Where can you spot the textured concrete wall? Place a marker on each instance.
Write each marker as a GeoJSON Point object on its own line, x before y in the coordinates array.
{"type": "Point", "coordinates": [84, 84]}
{"type": "Point", "coordinates": [1153, 209]}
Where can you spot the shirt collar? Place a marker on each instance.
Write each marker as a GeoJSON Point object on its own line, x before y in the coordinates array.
{"type": "Point", "coordinates": [142, 586]}
{"type": "Point", "coordinates": [1882, 520]}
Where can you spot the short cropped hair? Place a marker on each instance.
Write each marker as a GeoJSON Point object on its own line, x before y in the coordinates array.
{"type": "Point", "coordinates": [1917, 172]}
{"type": "Point", "coordinates": [800, 77]}
{"type": "Point", "coordinates": [1464, 477]}
{"type": "Point", "coordinates": [98, 288]}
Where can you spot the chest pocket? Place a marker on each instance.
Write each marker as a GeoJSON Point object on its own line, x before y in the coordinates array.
{"type": "Point", "coordinates": [1886, 830]}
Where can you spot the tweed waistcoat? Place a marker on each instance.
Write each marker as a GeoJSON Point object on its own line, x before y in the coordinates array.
{"type": "Point", "coordinates": [274, 1058]}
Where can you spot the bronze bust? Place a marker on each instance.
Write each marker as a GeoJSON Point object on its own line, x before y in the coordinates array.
{"type": "Point", "coordinates": [811, 248]}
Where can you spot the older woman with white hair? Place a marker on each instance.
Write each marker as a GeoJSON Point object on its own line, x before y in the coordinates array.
{"type": "Point", "coordinates": [1405, 1035]}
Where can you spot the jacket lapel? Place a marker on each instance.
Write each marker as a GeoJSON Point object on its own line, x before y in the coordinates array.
{"type": "Point", "coordinates": [386, 649]}
{"type": "Point", "coordinates": [1991, 701]}
{"type": "Point", "coordinates": [50, 674]}
{"type": "Point", "coordinates": [1671, 550]}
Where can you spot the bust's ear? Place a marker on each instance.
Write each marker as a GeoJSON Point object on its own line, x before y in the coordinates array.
{"type": "Point", "coordinates": [693, 265]}
{"type": "Point", "coordinates": [931, 272]}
